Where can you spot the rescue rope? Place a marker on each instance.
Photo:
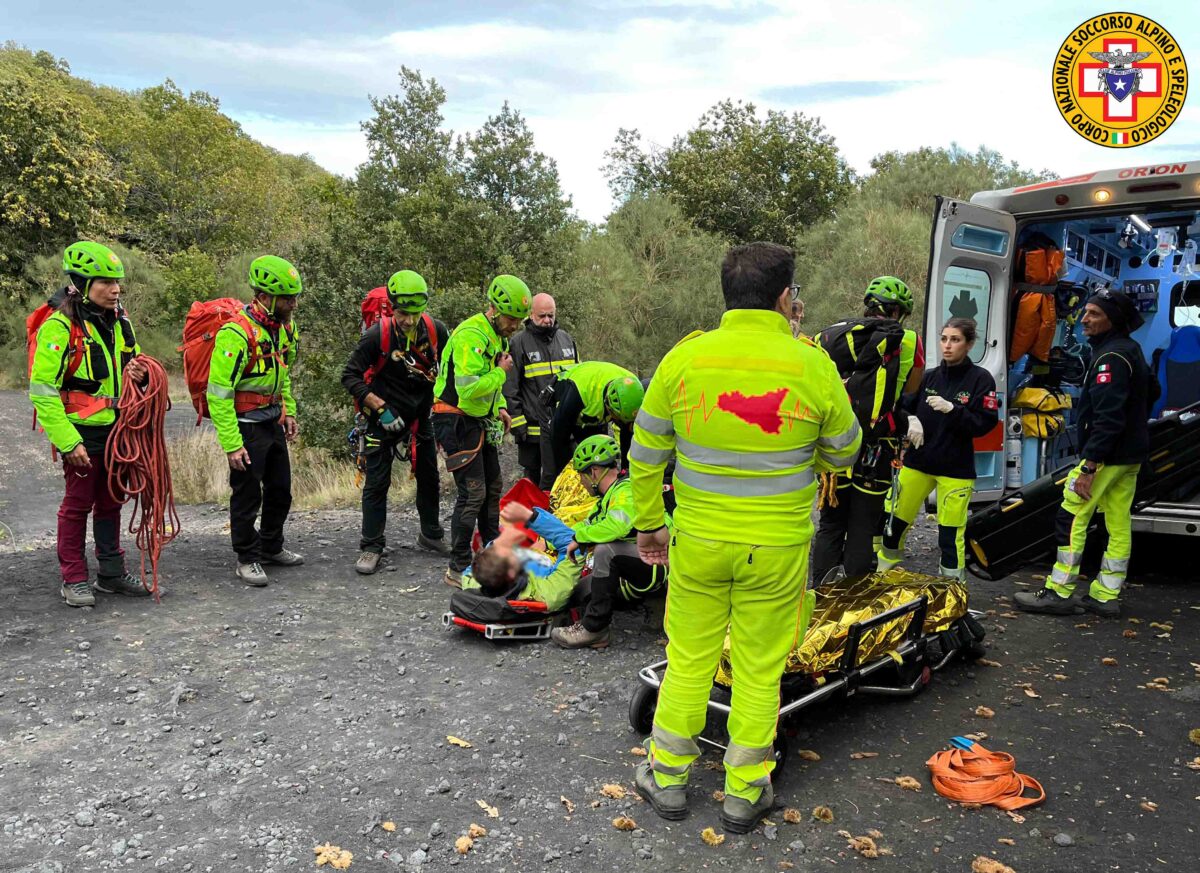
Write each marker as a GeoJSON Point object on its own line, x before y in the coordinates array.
{"type": "Point", "coordinates": [969, 773]}
{"type": "Point", "coordinates": [138, 467]}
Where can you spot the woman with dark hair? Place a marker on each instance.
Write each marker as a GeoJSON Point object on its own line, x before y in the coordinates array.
{"type": "Point", "coordinates": [955, 404]}
{"type": "Point", "coordinates": [84, 352]}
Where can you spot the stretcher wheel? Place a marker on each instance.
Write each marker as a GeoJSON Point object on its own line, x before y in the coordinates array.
{"type": "Point", "coordinates": [641, 709]}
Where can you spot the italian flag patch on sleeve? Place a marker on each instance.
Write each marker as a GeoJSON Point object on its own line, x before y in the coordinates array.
{"type": "Point", "coordinates": [54, 347]}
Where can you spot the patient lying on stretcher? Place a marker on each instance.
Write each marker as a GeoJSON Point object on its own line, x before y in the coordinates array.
{"type": "Point", "coordinates": [507, 568]}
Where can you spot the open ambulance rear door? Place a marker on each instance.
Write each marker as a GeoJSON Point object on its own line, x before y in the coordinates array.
{"type": "Point", "coordinates": [970, 274]}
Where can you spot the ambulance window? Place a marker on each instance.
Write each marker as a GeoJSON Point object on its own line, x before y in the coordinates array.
{"type": "Point", "coordinates": [1185, 304]}
{"type": "Point", "coordinates": [967, 293]}
{"type": "Point", "coordinates": [980, 239]}
{"type": "Point", "coordinates": [1074, 246]}
{"type": "Point", "coordinates": [1095, 258]}
{"type": "Point", "coordinates": [1112, 265]}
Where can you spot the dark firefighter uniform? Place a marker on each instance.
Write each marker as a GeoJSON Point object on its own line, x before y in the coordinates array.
{"type": "Point", "coordinates": [539, 354]}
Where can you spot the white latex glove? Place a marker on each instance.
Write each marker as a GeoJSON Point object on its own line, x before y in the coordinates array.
{"type": "Point", "coordinates": [916, 432]}
{"type": "Point", "coordinates": [939, 404]}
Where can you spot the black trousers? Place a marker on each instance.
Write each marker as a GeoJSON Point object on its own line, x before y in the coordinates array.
{"type": "Point", "coordinates": [619, 579]}
{"type": "Point", "coordinates": [478, 483]}
{"type": "Point", "coordinates": [846, 534]}
{"type": "Point", "coordinates": [529, 456]}
{"type": "Point", "coordinates": [267, 484]}
{"type": "Point", "coordinates": [380, 453]}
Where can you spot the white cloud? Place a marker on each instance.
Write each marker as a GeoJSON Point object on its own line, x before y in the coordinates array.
{"type": "Point", "coordinates": [977, 78]}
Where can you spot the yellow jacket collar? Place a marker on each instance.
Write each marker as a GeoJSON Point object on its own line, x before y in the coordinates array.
{"type": "Point", "coordinates": [767, 320]}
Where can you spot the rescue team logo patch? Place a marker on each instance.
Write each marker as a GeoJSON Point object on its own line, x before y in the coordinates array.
{"type": "Point", "coordinates": [990, 401]}
{"type": "Point", "coordinates": [1119, 80]}
{"type": "Point", "coordinates": [761, 410]}
{"type": "Point", "coordinates": [963, 397]}
{"type": "Point", "coordinates": [1103, 378]}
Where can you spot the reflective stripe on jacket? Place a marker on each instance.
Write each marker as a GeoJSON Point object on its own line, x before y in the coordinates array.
{"type": "Point", "coordinates": [751, 415]}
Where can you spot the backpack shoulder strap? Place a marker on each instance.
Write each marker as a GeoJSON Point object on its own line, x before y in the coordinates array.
{"type": "Point", "coordinates": [243, 320]}
{"type": "Point", "coordinates": [431, 330]}
{"type": "Point", "coordinates": [386, 326]}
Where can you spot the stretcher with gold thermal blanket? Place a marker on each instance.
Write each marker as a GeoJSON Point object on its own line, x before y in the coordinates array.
{"type": "Point", "coordinates": [885, 634]}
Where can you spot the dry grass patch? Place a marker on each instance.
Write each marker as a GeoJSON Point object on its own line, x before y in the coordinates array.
{"type": "Point", "coordinates": [200, 474]}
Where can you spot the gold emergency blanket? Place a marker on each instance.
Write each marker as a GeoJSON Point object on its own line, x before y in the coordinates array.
{"type": "Point", "coordinates": [569, 500]}
{"type": "Point", "coordinates": [843, 603]}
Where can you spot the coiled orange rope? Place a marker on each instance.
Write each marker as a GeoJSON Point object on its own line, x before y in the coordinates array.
{"type": "Point", "coordinates": [138, 467]}
{"type": "Point", "coordinates": [970, 773]}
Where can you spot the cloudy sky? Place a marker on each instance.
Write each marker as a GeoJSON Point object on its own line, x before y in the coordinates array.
{"type": "Point", "coordinates": [881, 75]}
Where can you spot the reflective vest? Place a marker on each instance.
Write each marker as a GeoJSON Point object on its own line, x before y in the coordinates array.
{"type": "Point", "coordinates": [236, 390]}
{"type": "Point", "coordinates": [751, 416]}
{"type": "Point", "coordinates": [590, 378]}
{"type": "Point", "coordinates": [468, 378]}
{"type": "Point", "coordinates": [89, 396]}
{"type": "Point", "coordinates": [612, 517]}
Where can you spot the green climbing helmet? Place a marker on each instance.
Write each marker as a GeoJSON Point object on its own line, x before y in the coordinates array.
{"type": "Point", "coordinates": [623, 398]}
{"type": "Point", "coordinates": [889, 291]}
{"type": "Point", "coordinates": [92, 261]}
{"type": "Point", "coordinates": [596, 451]}
{"type": "Point", "coordinates": [273, 275]}
{"type": "Point", "coordinates": [510, 296]}
{"type": "Point", "coordinates": [408, 292]}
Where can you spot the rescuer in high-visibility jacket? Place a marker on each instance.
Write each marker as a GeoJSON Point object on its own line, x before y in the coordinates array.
{"type": "Point", "coordinates": [751, 415]}
{"type": "Point", "coordinates": [586, 400]}
{"type": "Point", "coordinates": [250, 401]}
{"type": "Point", "coordinates": [1114, 442]}
{"type": "Point", "coordinates": [470, 415]}
{"type": "Point", "coordinates": [85, 351]}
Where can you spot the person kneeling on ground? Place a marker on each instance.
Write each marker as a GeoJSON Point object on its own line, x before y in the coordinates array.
{"type": "Point", "coordinates": [618, 574]}
{"type": "Point", "coordinates": [505, 569]}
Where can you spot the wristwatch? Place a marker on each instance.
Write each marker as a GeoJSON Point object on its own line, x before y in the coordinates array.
{"type": "Point", "coordinates": [1088, 470]}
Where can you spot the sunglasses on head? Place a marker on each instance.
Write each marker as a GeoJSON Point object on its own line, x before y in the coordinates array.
{"type": "Point", "coordinates": [795, 289]}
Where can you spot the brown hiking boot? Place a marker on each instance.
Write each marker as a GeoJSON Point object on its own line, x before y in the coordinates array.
{"type": "Point", "coordinates": [367, 563]}
{"type": "Point", "coordinates": [453, 578]}
{"type": "Point", "coordinates": [578, 637]}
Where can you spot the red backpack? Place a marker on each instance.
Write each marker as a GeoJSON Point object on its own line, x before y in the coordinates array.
{"type": "Point", "coordinates": [34, 322]}
{"type": "Point", "coordinates": [375, 305]}
{"type": "Point", "coordinates": [75, 344]}
{"type": "Point", "coordinates": [200, 328]}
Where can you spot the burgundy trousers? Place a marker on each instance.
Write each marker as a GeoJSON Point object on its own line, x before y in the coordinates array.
{"type": "Point", "coordinates": [87, 494]}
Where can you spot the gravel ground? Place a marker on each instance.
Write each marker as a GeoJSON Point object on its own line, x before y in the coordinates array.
{"type": "Point", "coordinates": [236, 729]}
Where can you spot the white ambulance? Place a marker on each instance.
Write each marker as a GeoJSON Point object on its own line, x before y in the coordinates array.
{"type": "Point", "coordinates": [1134, 230]}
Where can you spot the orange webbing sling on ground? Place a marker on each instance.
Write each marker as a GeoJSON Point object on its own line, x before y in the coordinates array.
{"type": "Point", "coordinates": [969, 773]}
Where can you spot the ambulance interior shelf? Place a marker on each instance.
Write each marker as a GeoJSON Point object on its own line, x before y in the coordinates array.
{"type": "Point", "coordinates": [1151, 257]}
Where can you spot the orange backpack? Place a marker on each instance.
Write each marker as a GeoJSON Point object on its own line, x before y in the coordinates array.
{"type": "Point", "coordinates": [200, 328]}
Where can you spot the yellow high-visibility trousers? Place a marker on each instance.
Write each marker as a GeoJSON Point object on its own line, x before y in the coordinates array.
{"type": "Point", "coordinates": [758, 594]}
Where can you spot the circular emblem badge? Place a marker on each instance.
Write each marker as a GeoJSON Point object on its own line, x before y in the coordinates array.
{"type": "Point", "coordinates": [397, 355]}
{"type": "Point", "coordinates": [113, 258]}
{"type": "Point", "coordinates": [1119, 80]}
{"type": "Point", "coordinates": [292, 272]}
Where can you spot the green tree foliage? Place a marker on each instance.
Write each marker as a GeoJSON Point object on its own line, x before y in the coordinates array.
{"type": "Point", "coordinates": [55, 180]}
{"type": "Point", "coordinates": [740, 175]}
{"type": "Point", "coordinates": [197, 179]}
{"type": "Point", "coordinates": [883, 228]}
{"type": "Point", "coordinates": [191, 275]}
{"type": "Point", "coordinates": [642, 284]}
